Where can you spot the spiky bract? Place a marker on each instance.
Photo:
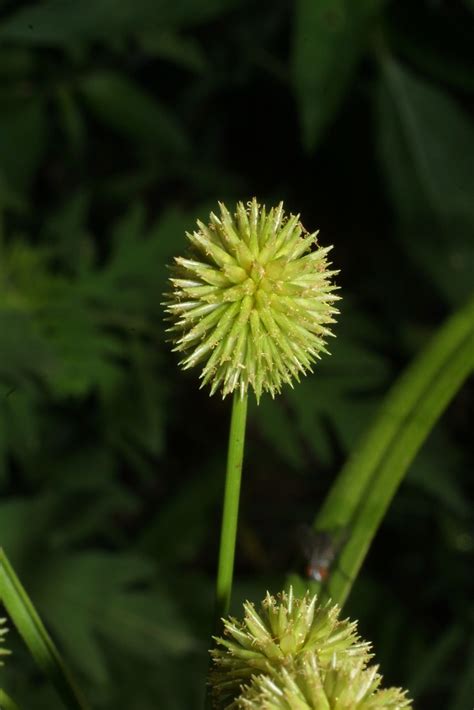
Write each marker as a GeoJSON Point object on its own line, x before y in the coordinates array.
{"type": "Point", "coordinates": [253, 301]}
{"type": "Point", "coordinates": [294, 655]}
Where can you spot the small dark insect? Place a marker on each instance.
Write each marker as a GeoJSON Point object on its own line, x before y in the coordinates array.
{"type": "Point", "coordinates": [320, 549]}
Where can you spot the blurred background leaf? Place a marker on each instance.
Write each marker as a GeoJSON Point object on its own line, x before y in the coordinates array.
{"type": "Point", "coordinates": [58, 22]}
{"type": "Point", "coordinates": [133, 114]}
{"type": "Point", "coordinates": [330, 37]}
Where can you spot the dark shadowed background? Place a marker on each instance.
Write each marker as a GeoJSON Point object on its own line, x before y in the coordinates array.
{"type": "Point", "coordinates": [120, 122]}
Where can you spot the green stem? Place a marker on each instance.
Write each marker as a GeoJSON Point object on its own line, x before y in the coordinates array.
{"type": "Point", "coordinates": [230, 513]}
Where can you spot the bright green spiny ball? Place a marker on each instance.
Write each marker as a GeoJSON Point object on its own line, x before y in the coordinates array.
{"type": "Point", "coordinates": [253, 300]}
{"type": "Point", "coordinates": [296, 654]}
{"type": "Point", "coordinates": [307, 685]}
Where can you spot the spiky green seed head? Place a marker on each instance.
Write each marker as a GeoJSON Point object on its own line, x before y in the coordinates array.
{"type": "Point", "coordinates": [308, 685]}
{"type": "Point", "coordinates": [253, 301]}
{"type": "Point", "coordinates": [294, 654]}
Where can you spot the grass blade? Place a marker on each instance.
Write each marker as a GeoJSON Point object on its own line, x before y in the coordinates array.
{"type": "Point", "coordinates": [367, 483]}
{"type": "Point", "coordinates": [41, 646]}
{"type": "Point", "coordinates": [6, 703]}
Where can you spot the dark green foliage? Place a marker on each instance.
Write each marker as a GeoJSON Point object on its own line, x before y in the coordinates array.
{"type": "Point", "coordinates": [120, 122]}
{"type": "Point", "coordinates": [330, 38]}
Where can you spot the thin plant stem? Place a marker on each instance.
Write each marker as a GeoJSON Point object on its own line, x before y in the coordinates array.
{"type": "Point", "coordinates": [230, 515]}
{"type": "Point", "coordinates": [235, 455]}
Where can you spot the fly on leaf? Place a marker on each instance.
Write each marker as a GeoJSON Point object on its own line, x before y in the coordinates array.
{"type": "Point", "coordinates": [320, 549]}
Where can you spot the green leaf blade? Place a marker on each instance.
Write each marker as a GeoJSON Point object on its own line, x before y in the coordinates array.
{"type": "Point", "coordinates": [33, 631]}
{"type": "Point", "coordinates": [6, 703]}
{"type": "Point", "coordinates": [328, 41]}
{"type": "Point", "coordinates": [367, 483]}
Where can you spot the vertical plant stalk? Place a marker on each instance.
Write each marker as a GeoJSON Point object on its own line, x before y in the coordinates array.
{"type": "Point", "coordinates": [235, 456]}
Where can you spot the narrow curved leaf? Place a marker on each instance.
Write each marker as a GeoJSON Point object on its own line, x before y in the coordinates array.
{"type": "Point", "coordinates": [6, 703]}
{"type": "Point", "coordinates": [33, 631]}
{"type": "Point", "coordinates": [367, 483]}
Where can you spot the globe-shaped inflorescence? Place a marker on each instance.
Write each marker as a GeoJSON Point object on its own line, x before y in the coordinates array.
{"type": "Point", "coordinates": [252, 301]}
{"type": "Point", "coordinates": [295, 654]}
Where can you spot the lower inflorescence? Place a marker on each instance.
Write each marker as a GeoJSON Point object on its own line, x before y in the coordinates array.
{"type": "Point", "coordinates": [295, 655]}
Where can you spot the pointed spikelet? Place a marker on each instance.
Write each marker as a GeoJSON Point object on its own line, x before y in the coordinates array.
{"type": "Point", "coordinates": [296, 655]}
{"type": "Point", "coordinates": [253, 301]}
